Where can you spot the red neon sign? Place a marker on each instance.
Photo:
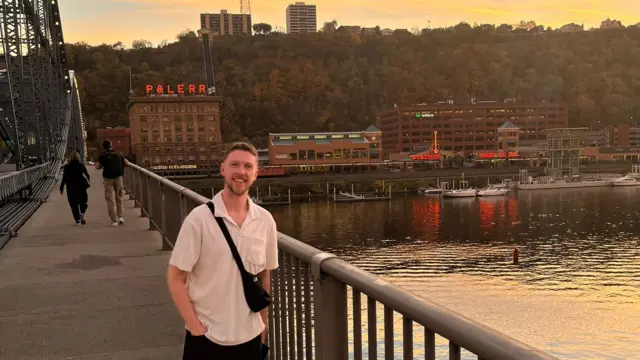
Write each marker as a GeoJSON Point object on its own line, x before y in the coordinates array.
{"type": "Point", "coordinates": [180, 89]}
{"type": "Point", "coordinates": [503, 154]}
{"type": "Point", "coordinates": [425, 157]}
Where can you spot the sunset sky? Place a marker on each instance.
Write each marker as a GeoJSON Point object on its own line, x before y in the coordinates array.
{"type": "Point", "coordinates": [110, 21]}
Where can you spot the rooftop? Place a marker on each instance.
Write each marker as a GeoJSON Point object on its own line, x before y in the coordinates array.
{"type": "Point", "coordinates": [508, 125]}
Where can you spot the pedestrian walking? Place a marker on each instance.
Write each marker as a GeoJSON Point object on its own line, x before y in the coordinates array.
{"type": "Point", "coordinates": [76, 178]}
{"type": "Point", "coordinates": [219, 271]}
{"type": "Point", "coordinates": [112, 164]}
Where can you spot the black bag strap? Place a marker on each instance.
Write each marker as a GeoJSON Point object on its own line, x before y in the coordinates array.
{"type": "Point", "coordinates": [225, 232]}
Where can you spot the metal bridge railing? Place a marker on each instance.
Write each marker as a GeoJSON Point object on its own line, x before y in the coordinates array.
{"type": "Point", "coordinates": [15, 182]}
{"type": "Point", "coordinates": [319, 300]}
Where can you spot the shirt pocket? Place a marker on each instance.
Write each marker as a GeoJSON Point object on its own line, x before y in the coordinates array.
{"type": "Point", "coordinates": [256, 253]}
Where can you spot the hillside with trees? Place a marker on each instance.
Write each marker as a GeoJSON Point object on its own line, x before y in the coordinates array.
{"type": "Point", "coordinates": [322, 82]}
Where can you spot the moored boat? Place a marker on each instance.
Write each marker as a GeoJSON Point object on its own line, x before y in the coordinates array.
{"type": "Point", "coordinates": [626, 181]}
{"type": "Point", "coordinates": [460, 193]}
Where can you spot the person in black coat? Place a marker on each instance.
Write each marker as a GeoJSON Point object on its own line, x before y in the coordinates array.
{"type": "Point", "coordinates": [77, 180]}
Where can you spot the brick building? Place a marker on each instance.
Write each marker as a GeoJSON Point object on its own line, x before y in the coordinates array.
{"type": "Point", "coordinates": [120, 139]}
{"type": "Point", "coordinates": [348, 147]}
{"type": "Point", "coordinates": [466, 128]}
{"type": "Point", "coordinates": [176, 129]}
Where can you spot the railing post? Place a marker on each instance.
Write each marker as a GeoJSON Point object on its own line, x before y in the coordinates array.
{"type": "Point", "coordinates": [150, 212]}
{"type": "Point", "coordinates": [163, 221]}
{"type": "Point", "coordinates": [135, 186]}
{"type": "Point", "coordinates": [330, 312]}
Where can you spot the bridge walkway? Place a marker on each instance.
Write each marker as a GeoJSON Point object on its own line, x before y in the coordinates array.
{"type": "Point", "coordinates": [90, 292]}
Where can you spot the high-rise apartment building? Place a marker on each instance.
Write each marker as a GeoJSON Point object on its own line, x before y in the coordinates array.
{"type": "Point", "coordinates": [301, 18]}
{"type": "Point", "coordinates": [226, 24]}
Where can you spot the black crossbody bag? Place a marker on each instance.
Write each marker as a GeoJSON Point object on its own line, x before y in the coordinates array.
{"type": "Point", "coordinates": [257, 297]}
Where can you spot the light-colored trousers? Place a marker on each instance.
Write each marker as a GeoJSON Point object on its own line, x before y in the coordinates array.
{"type": "Point", "coordinates": [113, 193]}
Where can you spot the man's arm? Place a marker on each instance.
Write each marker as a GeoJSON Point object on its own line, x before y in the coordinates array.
{"type": "Point", "coordinates": [184, 256]}
{"type": "Point", "coordinates": [265, 275]}
{"type": "Point", "coordinates": [177, 280]}
{"type": "Point", "coordinates": [265, 280]}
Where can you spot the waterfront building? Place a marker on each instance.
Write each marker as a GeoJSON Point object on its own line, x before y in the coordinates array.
{"type": "Point", "coordinates": [318, 148]}
{"type": "Point", "coordinates": [469, 128]}
{"type": "Point", "coordinates": [176, 127]}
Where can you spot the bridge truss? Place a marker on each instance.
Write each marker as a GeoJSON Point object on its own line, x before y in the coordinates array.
{"type": "Point", "coordinates": [35, 83]}
{"type": "Point", "coordinates": [40, 111]}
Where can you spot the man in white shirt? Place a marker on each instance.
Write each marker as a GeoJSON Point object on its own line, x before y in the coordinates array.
{"type": "Point", "coordinates": [203, 277]}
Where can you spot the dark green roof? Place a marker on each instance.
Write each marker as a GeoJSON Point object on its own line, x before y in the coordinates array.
{"type": "Point", "coordinates": [372, 128]}
{"type": "Point", "coordinates": [508, 125]}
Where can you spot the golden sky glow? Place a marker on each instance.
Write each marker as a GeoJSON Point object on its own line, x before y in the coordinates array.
{"type": "Point", "coordinates": [110, 21]}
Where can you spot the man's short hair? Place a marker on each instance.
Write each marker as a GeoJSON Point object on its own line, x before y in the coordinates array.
{"type": "Point", "coordinates": [242, 146]}
{"type": "Point", "coordinates": [106, 144]}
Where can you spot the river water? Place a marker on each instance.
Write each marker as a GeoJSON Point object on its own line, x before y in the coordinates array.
{"type": "Point", "coordinates": [574, 294]}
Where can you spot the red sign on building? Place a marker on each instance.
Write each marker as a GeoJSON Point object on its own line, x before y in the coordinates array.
{"type": "Point", "coordinates": [498, 155]}
{"type": "Point", "coordinates": [179, 89]}
{"type": "Point", "coordinates": [425, 157]}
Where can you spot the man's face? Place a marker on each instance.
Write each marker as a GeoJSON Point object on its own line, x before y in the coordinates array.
{"type": "Point", "coordinates": [240, 170]}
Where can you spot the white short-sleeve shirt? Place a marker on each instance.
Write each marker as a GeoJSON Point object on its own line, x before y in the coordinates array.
{"type": "Point", "coordinates": [213, 280]}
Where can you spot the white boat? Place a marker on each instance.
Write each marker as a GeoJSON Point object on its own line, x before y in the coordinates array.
{"type": "Point", "coordinates": [460, 193]}
{"type": "Point", "coordinates": [547, 182]}
{"type": "Point", "coordinates": [626, 181]}
{"type": "Point", "coordinates": [493, 191]}
{"type": "Point", "coordinates": [430, 191]}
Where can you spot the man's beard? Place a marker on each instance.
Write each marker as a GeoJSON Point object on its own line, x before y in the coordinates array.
{"type": "Point", "coordinates": [236, 193]}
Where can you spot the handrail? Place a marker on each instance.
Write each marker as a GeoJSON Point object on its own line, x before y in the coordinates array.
{"type": "Point", "coordinates": [310, 281]}
{"type": "Point", "coordinates": [14, 182]}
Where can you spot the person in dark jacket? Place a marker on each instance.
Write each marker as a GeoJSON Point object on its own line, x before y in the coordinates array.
{"type": "Point", "coordinates": [77, 180]}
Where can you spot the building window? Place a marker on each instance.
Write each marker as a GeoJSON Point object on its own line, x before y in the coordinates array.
{"type": "Point", "coordinates": [293, 156]}
{"type": "Point", "coordinates": [143, 118]}
{"type": "Point", "coordinates": [311, 154]}
{"type": "Point", "coordinates": [302, 155]}
{"type": "Point", "coordinates": [189, 128]}
{"type": "Point", "coordinates": [178, 138]}
{"type": "Point", "coordinates": [178, 128]}
{"type": "Point", "coordinates": [200, 118]}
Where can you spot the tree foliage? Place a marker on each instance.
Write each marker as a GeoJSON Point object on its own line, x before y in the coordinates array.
{"type": "Point", "coordinates": [317, 82]}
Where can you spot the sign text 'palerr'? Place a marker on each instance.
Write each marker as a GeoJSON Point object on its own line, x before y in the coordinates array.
{"type": "Point", "coordinates": [178, 89]}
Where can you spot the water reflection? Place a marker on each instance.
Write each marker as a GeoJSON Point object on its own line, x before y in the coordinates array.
{"type": "Point", "coordinates": [579, 254]}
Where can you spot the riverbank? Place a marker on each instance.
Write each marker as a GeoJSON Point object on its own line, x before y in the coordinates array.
{"type": "Point", "coordinates": [321, 186]}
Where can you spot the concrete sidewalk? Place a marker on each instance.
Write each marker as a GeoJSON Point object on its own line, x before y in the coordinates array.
{"type": "Point", "coordinates": [88, 292]}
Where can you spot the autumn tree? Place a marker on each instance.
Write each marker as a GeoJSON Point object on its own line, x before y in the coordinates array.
{"type": "Point", "coordinates": [323, 81]}
{"type": "Point", "coordinates": [262, 28]}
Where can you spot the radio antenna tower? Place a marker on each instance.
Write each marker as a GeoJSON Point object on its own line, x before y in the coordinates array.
{"type": "Point", "coordinates": [245, 7]}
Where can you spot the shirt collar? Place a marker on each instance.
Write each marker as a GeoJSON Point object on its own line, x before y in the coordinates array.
{"type": "Point", "coordinates": [221, 209]}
